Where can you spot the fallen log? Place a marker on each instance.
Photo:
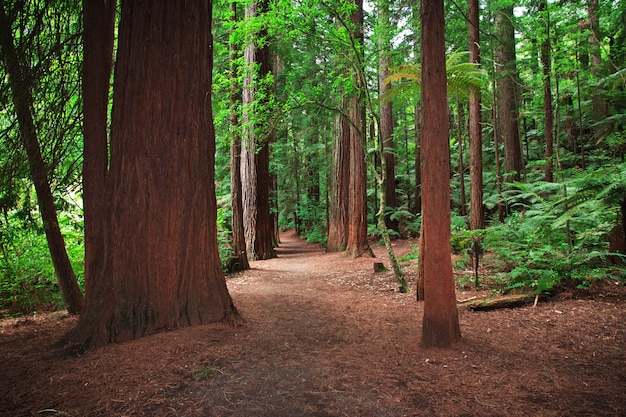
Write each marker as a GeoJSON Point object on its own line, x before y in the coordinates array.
{"type": "Point", "coordinates": [494, 303]}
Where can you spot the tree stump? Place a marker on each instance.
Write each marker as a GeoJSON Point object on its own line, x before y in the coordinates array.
{"type": "Point", "coordinates": [379, 267]}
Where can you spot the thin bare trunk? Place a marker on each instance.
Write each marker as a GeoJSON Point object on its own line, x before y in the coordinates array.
{"type": "Point", "coordinates": [386, 118]}
{"type": "Point", "coordinates": [20, 84]}
{"type": "Point", "coordinates": [239, 257]}
{"type": "Point", "coordinates": [255, 175]}
{"type": "Point", "coordinates": [477, 216]}
{"type": "Point", "coordinates": [506, 72]}
{"type": "Point", "coordinates": [547, 94]}
{"type": "Point", "coordinates": [340, 186]}
{"type": "Point", "coordinates": [357, 244]}
{"type": "Point", "coordinates": [459, 135]}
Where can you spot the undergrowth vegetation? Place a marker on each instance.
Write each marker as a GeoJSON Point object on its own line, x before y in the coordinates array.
{"type": "Point", "coordinates": [555, 235]}
{"type": "Point", "coordinates": [28, 282]}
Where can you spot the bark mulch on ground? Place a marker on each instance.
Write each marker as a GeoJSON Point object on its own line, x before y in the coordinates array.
{"type": "Point", "coordinates": [326, 336]}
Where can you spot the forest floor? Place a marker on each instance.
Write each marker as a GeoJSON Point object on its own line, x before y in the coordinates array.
{"type": "Point", "coordinates": [326, 336]}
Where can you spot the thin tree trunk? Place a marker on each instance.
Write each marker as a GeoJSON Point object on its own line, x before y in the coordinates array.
{"type": "Point", "coordinates": [255, 176]}
{"type": "Point", "coordinates": [357, 244]}
{"type": "Point", "coordinates": [417, 119]}
{"type": "Point", "coordinates": [598, 99]}
{"type": "Point", "coordinates": [23, 101]}
{"type": "Point", "coordinates": [547, 94]}
{"type": "Point", "coordinates": [417, 124]}
{"type": "Point", "coordinates": [506, 74]}
{"type": "Point", "coordinates": [440, 327]}
{"type": "Point", "coordinates": [386, 118]}
{"type": "Point", "coordinates": [239, 257]}
{"type": "Point", "coordinates": [459, 133]}
{"type": "Point", "coordinates": [340, 186]}
{"type": "Point", "coordinates": [477, 216]}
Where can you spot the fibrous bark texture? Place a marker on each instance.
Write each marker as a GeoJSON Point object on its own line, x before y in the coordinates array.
{"type": "Point", "coordinates": [440, 326]}
{"type": "Point", "coordinates": [151, 258]}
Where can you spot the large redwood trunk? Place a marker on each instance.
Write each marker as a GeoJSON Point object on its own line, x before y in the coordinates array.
{"type": "Point", "coordinates": [441, 324]}
{"type": "Point", "coordinates": [21, 94]}
{"type": "Point", "coordinates": [157, 266]}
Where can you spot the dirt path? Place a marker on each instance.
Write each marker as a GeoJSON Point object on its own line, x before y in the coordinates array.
{"type": "Point", "coordinates": [325, 336]}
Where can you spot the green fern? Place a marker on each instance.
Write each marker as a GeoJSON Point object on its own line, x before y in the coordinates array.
{"type": "Point", "coordinates": [462, 76]}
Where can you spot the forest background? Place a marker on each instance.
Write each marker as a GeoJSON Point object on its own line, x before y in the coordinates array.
{"type": "Point", "coordinates": [551, 150]}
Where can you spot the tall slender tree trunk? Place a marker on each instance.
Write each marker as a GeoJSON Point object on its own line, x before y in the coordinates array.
{"type": "Point", "coordinates": [459, 135]}
{"type": "Point", "coordinates": [239, 257]}
{"type": "Point", "coordinates": [440, 326]}
{"type": "Point", "coordinates": [255, 175]}
{"type": "Point", "coordinates": [547, 93]}
{"type": "Point", "coordinates": [20, 84]}
{"type": "Point", "coordinates": [158, 267]}
{"type": "Point", "coordinates": [386, 116]}
{"type": "Point", "coordinates": [598, 99]}
{"type": "Point", "coordinates": [507, 93]}
{"type": "Point", "coordinates": [357, 244]}
{"type": "Point", "coordinates": [417, 126]}
{"type": "Point", "coordinates": [339, 185]}
{"type": "Point", "coordinates": [477, 212]}
{"type": "Point", "coordinates": [417, 119]}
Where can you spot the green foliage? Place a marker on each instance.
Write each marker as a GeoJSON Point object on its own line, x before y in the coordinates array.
{"type": "Point", "coordinates": [461, 77]}
{"type": "Point", "coordinates": [224, 232]}
{"type": "Point", "coordinates": [411, 256]}
{"type": "Point", "coordinates": [555, 237]}
{"type": "Point", "coordinates": [27, 278]}
{"type": "Point", "coordinates": [204, 372]}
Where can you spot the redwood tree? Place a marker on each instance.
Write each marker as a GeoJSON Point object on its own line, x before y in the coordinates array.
{"type": "Point", "coordinates": [239, 258]}
{"type": "Point", "coordinates": [507, 92]}
{"type": "Point", "coordinates": [339, 185]}
{"type": "Point", "coordinates": [440, 326]}
{"type": "Point", "coordinates": [386, 114]}
{"type": "Point", "coordinates": [357, 244]}
{"type": "Point", "coordinates": [547, 91]}
{"type": "Point", "coordinates": [255, 152]}
{"type": "Point", "coordinates": [477, 217]}
{"type": "Point", "coordinates": [150, 211]}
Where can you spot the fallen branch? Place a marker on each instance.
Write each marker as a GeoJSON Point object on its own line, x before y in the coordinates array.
{"type": "Point", "coordinates": [466, 300]}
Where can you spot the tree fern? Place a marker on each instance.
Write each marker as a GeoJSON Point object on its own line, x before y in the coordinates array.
{"type": "Point", "coordinates": [461, 77]}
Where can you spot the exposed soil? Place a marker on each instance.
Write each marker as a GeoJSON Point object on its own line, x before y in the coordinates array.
{"type": "Point", "coordinates": [326, 336]}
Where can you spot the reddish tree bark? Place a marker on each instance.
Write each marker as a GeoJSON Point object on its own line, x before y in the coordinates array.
{"type": "Point", "coordinates": [598, 99]}
{"type": "Point", "coordinates": [159, 267]}
{"type": "Point", "coordinates": [357, 244]}
{"type": "Point", "coordinates": [20, 84]}
{"type": "Point", "coordinates": [255, 176]}
{"type": "Point", "coordinates": [417, 124]}
{"type": "Point", "coordinates": [239, 257]}
{"type": "Point", "coordinates": [440, 326]}
{"type": "Point", "coordinates": [547, 93]}
{"type": "Point", "coordinates": [386, 119]}
{"type": "Point", "coordinates": [477, 215]}
{"type": "Point", "coordinates": [340, 186]}
{"type": "Point", "coordinates": [507, 93]}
